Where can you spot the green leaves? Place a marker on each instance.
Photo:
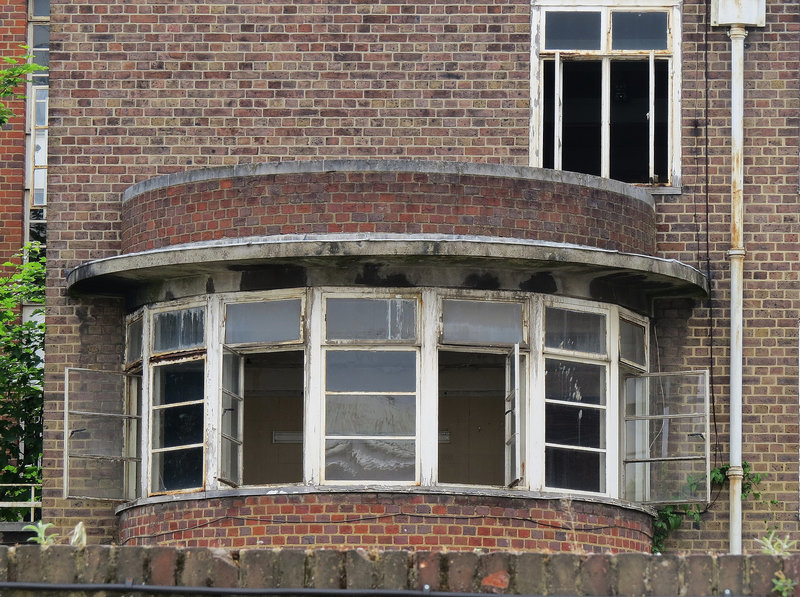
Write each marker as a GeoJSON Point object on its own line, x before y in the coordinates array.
{"type": "Point", "coordinates": [21, 375]}
{"type": "Point", "coordinates": [13, 78]}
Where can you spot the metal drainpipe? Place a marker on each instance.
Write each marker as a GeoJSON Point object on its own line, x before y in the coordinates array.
{"type": "Point", "coordinates": [736, 254]}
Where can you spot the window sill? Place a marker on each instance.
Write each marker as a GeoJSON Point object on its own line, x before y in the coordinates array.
{"type": "Point", "coordinates": [656, 190]}
{"type": "Point", "coordinates": [461, 490]}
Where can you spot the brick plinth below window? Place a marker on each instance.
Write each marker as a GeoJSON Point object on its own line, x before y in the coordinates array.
{"type": "Point", "coordinates": [388, 520]}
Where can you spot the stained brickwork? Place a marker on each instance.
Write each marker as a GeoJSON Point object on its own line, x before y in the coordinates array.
{"type": "Point", "coordinates": [144, 88]}
{"type": "Point", "coordinates": [391, 202]}
{"type": "Point", "coordinates": [389, 521]}
{"type": "Point", "coordinates": [13, 34]}
{"type": "Point", "coordinates": [112, 567]}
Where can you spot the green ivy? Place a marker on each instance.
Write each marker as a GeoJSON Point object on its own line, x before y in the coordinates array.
{"type": "Point", "coordinates": [670, 517]}
{"type": "Point", "coordinates": [21, 377]}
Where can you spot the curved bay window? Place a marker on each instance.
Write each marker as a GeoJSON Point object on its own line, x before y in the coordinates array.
{"type": "Point", "coordinates": [427, 387]}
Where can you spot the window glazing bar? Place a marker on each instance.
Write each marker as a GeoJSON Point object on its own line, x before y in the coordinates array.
{"type": "Point", "coordinates": [557, 117]}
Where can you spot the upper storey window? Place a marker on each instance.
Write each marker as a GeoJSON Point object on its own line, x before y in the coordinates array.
{"type": "Point", "coordinates": [608, 94]}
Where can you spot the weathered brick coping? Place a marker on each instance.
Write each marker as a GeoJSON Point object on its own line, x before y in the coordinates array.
{"type": "Point", "coordinates": [506, 573]}
{"type": "Point", "coordinates": [408, 166]}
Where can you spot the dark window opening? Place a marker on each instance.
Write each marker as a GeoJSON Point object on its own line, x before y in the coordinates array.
{"type": "Point", "coordinates": [273, 418]}
{"type": "Point", "coordinates": [472, 389]}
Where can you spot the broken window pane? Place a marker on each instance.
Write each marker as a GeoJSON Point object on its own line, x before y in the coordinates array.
{"type": "Point", "coordinates": [370, 319]}
{"type": "Point", "coordinates": [572, 30]}
{"type": "Point", "coordinates": [264, 322]}
{"type": "Point", "coordinates": [481, 322]}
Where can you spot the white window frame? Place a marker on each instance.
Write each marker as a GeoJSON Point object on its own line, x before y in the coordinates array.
{"type": "Point", "coordinates": [151, 359]}
{"type": "Point", "coordinates": [611, 407]}
{"type": "Point", "coordinates": [672, 54]}
{"type": "Point", "coordinates": [531, 353]}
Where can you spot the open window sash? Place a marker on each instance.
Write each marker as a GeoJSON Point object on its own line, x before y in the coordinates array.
{"type": "Point", "coordinates": [231, 417]}
{"type": "Point", "coordinates": [667, 438]}
{"type": "Point", "coordinates": [102, 434]}
{"type": "Point", "coordinates": [514, 468]}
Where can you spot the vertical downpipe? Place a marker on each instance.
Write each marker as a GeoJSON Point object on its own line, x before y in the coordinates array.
{"type": "Point", "coordinates": [736, 254]}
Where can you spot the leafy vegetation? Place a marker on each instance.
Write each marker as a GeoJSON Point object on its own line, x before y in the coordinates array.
{"type": "Point", "coordinates": [670, 517]}
{"type": "Point", "coordinates": [21, 377]}
{"type": "Point", "coordinates": [775, 546]}
{"type": "Point", "coordinates": [13, 78]}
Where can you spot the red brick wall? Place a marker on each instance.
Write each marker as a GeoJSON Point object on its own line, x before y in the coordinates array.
{"type": "Point", "coordinates": [144, 88]}
{"type": "Point", "coordinates": [387, 202]}
{"type": "Point", "coordinates": [389, 521]}
{"type": "Point", "coordinates": [696, 225]}
{"type": "Point", "coordinates": [13, 34]}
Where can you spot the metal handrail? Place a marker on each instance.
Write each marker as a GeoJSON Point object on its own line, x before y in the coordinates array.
{"type": "Point", "coordinates": [32, 503]}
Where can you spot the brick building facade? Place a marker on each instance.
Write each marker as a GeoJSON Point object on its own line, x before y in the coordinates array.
{"type": "Point", "coordinates": [512, 212]}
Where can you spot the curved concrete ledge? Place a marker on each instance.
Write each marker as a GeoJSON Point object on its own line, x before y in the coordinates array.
{"type": "Point", "coordinates": [410, 166]}
{"type": "Point", "coordinates": [116, 275]}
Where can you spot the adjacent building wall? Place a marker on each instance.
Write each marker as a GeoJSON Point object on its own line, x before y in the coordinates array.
{"type": "Point", "coordinates": [143, 88]}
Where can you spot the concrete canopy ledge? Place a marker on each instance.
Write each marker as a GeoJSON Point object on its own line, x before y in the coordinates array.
{"type": "Point", "coordinates": [428, 255]}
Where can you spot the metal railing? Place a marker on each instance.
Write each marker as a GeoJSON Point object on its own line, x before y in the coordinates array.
{"type": "Point", "coordinates": [33, 504]}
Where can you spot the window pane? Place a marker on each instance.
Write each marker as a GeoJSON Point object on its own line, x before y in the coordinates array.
{"type": "Point", "coordinates": [631, 342]}
{"type": "Point", "coordinates": [575, 382]}
{"type": "Point", "coordinates": [572, 31]}
{"type": "Point", "coordinates": [40, 148]}
{"type": "Point", "coordinates": [230, 416]}
{"type": "Point", "coordinates": [38, 232]}
{"type": "Point", "coordinates": [179, 382]}
{"type": "Point", "coordinates": [178, 426]}
{"type": "Point", "coordinates": [665, 394]}
{"type": "Point", "coordinates": [177, 330]}
{"type": "Point", "coordinates": [177, 469]}
{"type": "Point", "coordinates": [370, 415]}
{"type": "Point", "coordinates": [41, 38]}
{"type": "Point", "coordinates": [370, 319]}
{"type": "Point", "coordinates": [230, 457]}
{"type": "Point", "coordinates": [270, 321]}
{"type": "Point", "coordinates": [630, 126]}
{"type": "Point", "coordinates": [581, 134]}
{"type": "Point", "coordinates": [41, 8]}
{"type": "Point", "coordinates": [665, 438]}
{"type": "Point", "coordinates": [573, 469]}
{"type": "Point", "coordinates": [370, 460]}
{"type": "Point", "coordinates": [481, 322]}
{"type": "Point", "coordinates": [574, 426]}
{"type": "Point", "coordinates": [133, 348]}
{"type": "Point", "coordinates": [371, 371]}
{"type": "Point", "coordinates": [667, 482]}
{"type": "Point", "coordinates": [231, 363]}
{"type": "Point", "coordinates": [575, 330]}
{"type": "Point", "coordinates": [639, 30]}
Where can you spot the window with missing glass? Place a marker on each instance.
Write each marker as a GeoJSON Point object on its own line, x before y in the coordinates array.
{"type": "Point", "coordinates": [428, 387]}
{"type": "Point", "coordinates": [607, 77]}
